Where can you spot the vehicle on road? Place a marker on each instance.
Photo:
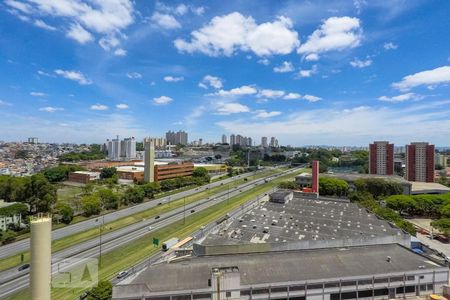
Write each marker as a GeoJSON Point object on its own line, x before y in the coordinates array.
{"type": "Point", "coordinates": [122, 274]}
{"type": "Point", "coordinates": [169, 243]}
{"type": "Point", "coordinates": [157, 217]}
{"type": "Point", "coordinates": [192, 211]}
{"type": "Point", "coordinates": [149, 228]}
{"type": "Point", "coordinates": [23, 267]}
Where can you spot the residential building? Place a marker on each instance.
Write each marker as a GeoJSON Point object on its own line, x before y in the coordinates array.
{"type": "Point", "coordinates": [272, 142]}
{"type": "Point", "coordinates": [441, 160]}
{"type": "Point", "coordinates": [174, 138]}
{"type": "Point", "coordinates": [33, 140]}
{"type": "Point", "coordinates": [232, 140]}
{"type": "Point", "coordinates": [128, 148]}
{"type": "Point", "coordinates": [249, 142]}
{"type": "Point", "coordinates": [159, 143]}
{"type": "Point", "coordinates": [381, 158]}
{"type": "Point", "coordinates": [224, 139]}
{"type": "Point", "coordinates": [420, 162]}
{"type": "Point", "coordinates": [264, 142]}
{"type": "Point", "coordinates": [114, 148]}
{"type": "Point", "coordinates": [7, 219]}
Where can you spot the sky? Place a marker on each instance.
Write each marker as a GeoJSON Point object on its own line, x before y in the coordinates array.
{"type": "Point", "coordinates": [319, 72]}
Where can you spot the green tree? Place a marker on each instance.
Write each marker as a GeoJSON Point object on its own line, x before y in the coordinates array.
{"type": "Point", "coordinates": [151, 188]}
{"type": "Point", "coordinates": [291, 185]}
{"type": "Point", "coordinates": [66, 212]}
{"type": "Point", "coordinates": [108, 198]}
{"type": "Point", "coordinates": [200, 172]}
{"type": "Point", "coordinates": [91, 205]}
{"type": "Point", "coordinates": [133, 195]}
{"type": "Point", "coordinates": [402, 204]}
{"type": "Point", "coordinates": [378, 187]}
{"type": "Point", "coordinates": [108, 172]}
{"type": "Point", "coordinates": [333, 186]}
{"type": "Point", "coordinates": [442, 225]}
{"type": "Point", "coordinates": [103, 291]}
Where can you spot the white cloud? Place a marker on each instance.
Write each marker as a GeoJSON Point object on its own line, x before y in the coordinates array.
{"type": "Point", "coordinates": [74, 75]}
{"type": "Point", "coordinates": [335, 34]}
{"type": "Point", "coordinates": [285, 67]}
{"type": "Point", "coordinates": [120, 52]}
{"type": "Point", "coordinates": [122, 106]}
{"type": "Point", "coordinates": [431, 123]}
{"type": "Point", "coordinates": [312, 57]}
{"type": "Point", "coordinates": [43, 25]}
{"type": "Point", "coordinates": [307, 73]}
{"type": "Point", "coordinates": [173, 79]}
{"type": "Point", "coordinates": [225, 35]}
{"type": "Point", "coordinates": [99, 107]}
{"type": "Point", "coordinates": [102, 17]}
{"type": "Point", "coordinates": [231, 108]}
{"type": "Point", "coordinates": [390, 46]}
{"type": "Point", "coordinates": [240, 91]}
{"type": "Point", "coordinates": [311, 98]}
{"type": "Point", "coordinates": [109, 42]}
{"type": "Point", "coordinates": [271, 94]}
{"type": "Point", "coordinates": [400, 98]}
{"type": "Point", "coordinates": [292, 96]}
{"type": "Point", "coordinates": [430, 78]}
{"type": "Point", "coordinates": [134, 75]}
{"type": "Point", "coordinates": [79, 34]}
{"type": "Point", "coordinates": [211, 81]}
{"type": "Point", "coordinates": [180, 9]}
{"type": "Point", "coordinates": [361, 63]}
{"type": "Point", "coordinates": [262, 114]}
{"type": "Point", "coordinates": [4, 103]}
{"type": "Point", "coordinates": [163, 100]}
{"type": "Point", "coordinates": [38, 94]}
{"type": "Point", "coordinates": [165, 21]}
{"type": "Point", "coordinates": [264, 61]}
{"type": "Point", "coordinates": [50, 109]}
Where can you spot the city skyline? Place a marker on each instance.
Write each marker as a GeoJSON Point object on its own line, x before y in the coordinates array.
{"type": "Point", "coordinates": [343, 73]}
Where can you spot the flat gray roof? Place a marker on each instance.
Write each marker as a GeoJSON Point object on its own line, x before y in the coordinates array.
{"type": "Point", "coordinates": [428, 188]}
{"type": "Point", "coordinates": [302, 219]}
{"type": "Point", "coordinates": [352, 177]}
{"type": "Point", "coordinates": [278, 267]}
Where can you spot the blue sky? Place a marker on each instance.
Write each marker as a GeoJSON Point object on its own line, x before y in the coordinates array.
{"type": "Point", "coordinates": [308, 72]}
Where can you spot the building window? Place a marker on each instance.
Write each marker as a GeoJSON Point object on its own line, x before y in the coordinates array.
{"type": "Point", "coordinates": [228, 294]}
{"type": "Point", "coordinates": [331, 284]}
{"type": "Point", "coordinates": [297, 288]}
{"type": "Point", "coordinates": [278, 290]}
{"type": "Point", "coordinates": [349, 295]}
{"type": "Point", "coordinates": [315, 286]}
{"type": "Point", "coordinates": [381, 280]}
{"type": "Point", "coordinates": [429, 287]}
{"type": "Point", "coordinates": [423, 287]}
{"type": "Point", "coordinates": [410, 289]}
{"type": "Point", "coordinates": [365, 294]}
{"type": "Point", "coordinates": [380, 292]}
{"type": "Point", "coordinates": [399, 290]}
{"type": "Point", "coordinates": [348, 283]}
{"type": "Point", "coordinates": [410, 278]}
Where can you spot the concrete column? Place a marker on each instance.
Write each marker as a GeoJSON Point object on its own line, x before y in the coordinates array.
{"type": "Point", "coordinates": [149, 160]}
{"type": "Point", "coordinates": [41, 256]}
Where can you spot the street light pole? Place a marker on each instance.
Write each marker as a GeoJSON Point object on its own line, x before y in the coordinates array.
{"type": "Point", "coordinates": [100, 237]}
{"type": "Point", "coordinates": [184, 210]}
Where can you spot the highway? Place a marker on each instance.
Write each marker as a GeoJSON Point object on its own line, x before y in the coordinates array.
{"type": "Point", "coordinates": [12, 280]}
{"type": "Point", "coordinates": [24, 245]}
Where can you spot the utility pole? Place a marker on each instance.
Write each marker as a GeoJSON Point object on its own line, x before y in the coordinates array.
{"type": "Point", "coordinates": [100, 239]}
{"type": "Point", "coordinates": [184, 210]}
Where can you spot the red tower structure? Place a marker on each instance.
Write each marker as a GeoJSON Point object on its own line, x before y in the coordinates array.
{"type": "Point", "coordinates": [315, 176]}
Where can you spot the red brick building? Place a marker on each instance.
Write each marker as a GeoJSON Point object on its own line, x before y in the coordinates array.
{"type": "Point", "coordinates": [420, 162]}
{"type": "Point", "coordinates": [381, 158]}
{"type": "Point", "coordinates": [173, 170]}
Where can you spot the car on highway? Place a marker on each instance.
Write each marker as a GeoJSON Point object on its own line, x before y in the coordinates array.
{"type": "Point", "coordinates": [149, 228]}
{"type": "Point", "coordinates": [23, 267]}
{"type": "Point", "coordinates": [192, 211]}
{"type": "Point", "coordinates": [157, 217]}
{"type": "Point", "coordinates": [122, 274]}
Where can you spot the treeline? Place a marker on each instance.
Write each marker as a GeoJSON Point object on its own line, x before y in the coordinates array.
{"type": "Point", "coordinates": [35, 191]}
{"type": "Point", "coordinates": [94, 153]}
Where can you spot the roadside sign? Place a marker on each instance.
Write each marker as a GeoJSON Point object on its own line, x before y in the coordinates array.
{"type": "Point", "coordinates": [155, 242]}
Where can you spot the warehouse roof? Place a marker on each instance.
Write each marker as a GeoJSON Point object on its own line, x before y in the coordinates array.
{"type": "Point", "coordinates": [302, 219]}
{"type": "Point", "coordinates": [428, 188]}
{"type": "Point", "coordinates": [277, 267]}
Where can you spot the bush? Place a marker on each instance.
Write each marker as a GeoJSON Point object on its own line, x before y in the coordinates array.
{"type": "Point", "coordinates": [103, 291]}
{"type": "Point", "coordinates": [291, 185]}
{"type": "Point", "coordinates": [332, 186]}
{"type": "Point", "coordinates": [7, 236]}
{"type": "Point", "coordinates": [108, 198]}
{"type": "Point", "coordinates": [378, 187]}
{"type": "Point", "coordinates": [108, 172]}
{"type": "Point", "coordinates": [134, 194]}
{"type": "Point", "coordinates": [66, 213]}
{"type": "Point", "coordinates": [91, 205]}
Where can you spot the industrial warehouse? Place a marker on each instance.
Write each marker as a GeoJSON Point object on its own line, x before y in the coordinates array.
{"type": "Point", "coordinates": [295, 247]}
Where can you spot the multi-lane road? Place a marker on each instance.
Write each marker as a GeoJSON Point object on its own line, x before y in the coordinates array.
{"type": "Point", "coordinates": [24, 245]}
{"type": "Point", "coordinates": [12, 281]}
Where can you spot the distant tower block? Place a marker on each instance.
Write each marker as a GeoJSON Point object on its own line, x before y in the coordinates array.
{"type": "Point", "coordinates": [41, 254]}
{"type": "Point", "coordinates": [315, 176]}
{"type": "Point", "coordinates": [149, 159]}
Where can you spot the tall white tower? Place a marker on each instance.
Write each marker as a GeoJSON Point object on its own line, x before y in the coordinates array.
{"type": "Point", "coordinates": [41, 257]}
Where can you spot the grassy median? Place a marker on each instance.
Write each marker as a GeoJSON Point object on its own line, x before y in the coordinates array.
{"type": "Point", "coordinates": [60, 244]}
{"type": "Point", "coordinates": [138, 250]}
